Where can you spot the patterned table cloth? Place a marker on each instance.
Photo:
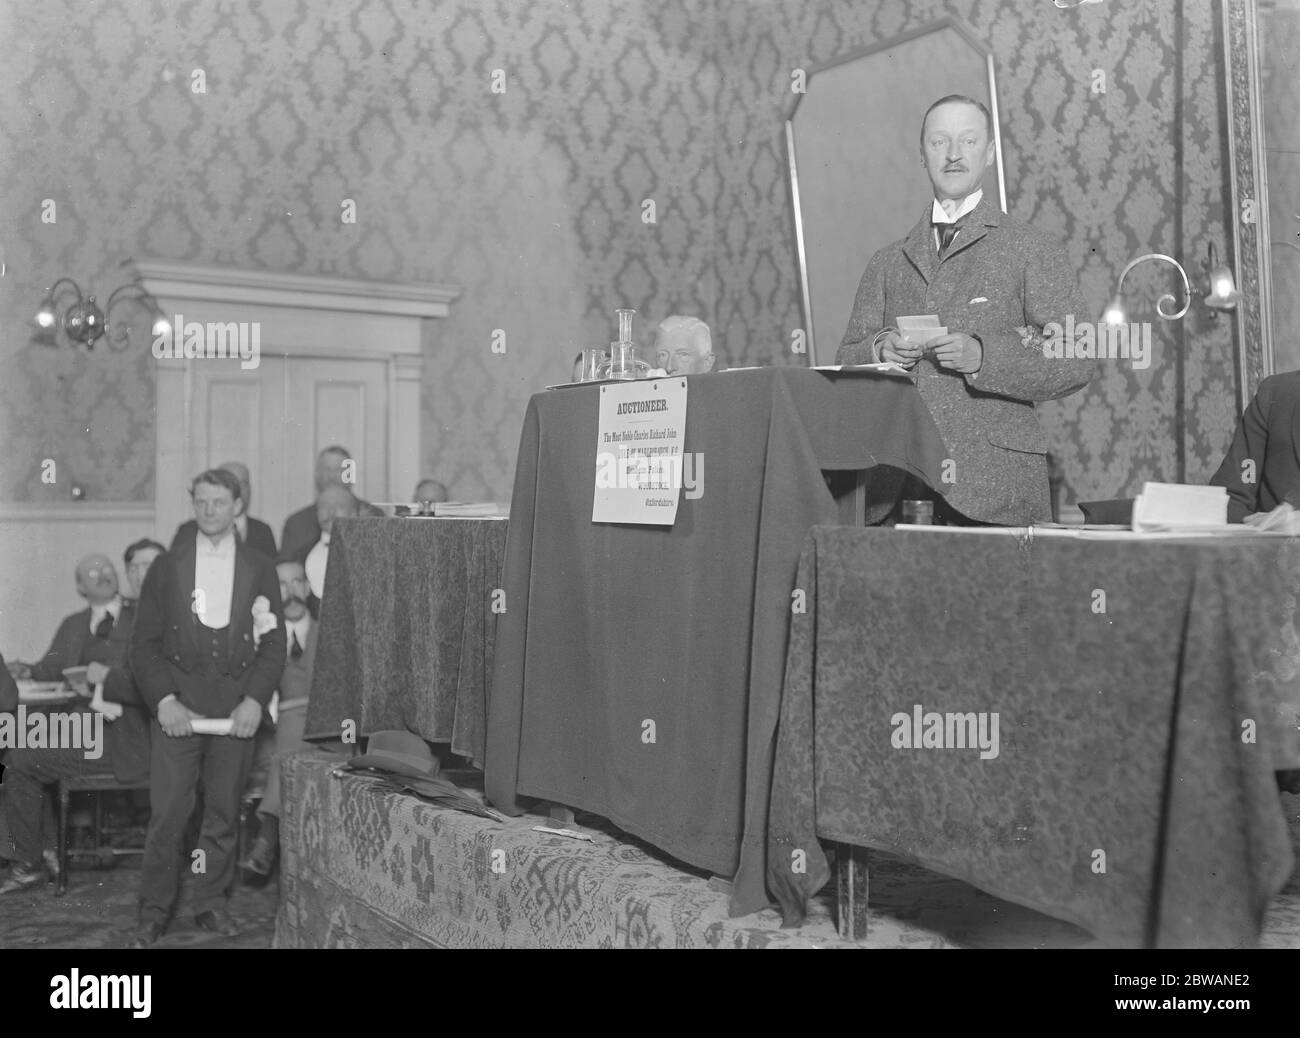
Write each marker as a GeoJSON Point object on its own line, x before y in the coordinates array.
{"type": "Point", "coordinates": [1144, 693]}
{"type": "Point", "coordinates": [407, 629]}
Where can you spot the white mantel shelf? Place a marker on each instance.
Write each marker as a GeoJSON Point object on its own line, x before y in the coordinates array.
{"type": "Point", "coordinates": [194, 281]}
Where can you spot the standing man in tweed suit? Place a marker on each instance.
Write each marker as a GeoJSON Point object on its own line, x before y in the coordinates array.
{"type": "Point", "coordinates": [994, 283]}
{"type": "Point", "coordinates": [208, 643]}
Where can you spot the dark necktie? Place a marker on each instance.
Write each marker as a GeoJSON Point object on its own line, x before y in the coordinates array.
{"type": "Point", "coordinates": [105, 626]}
{"type": "Point", "coordinates": [947, 232]}
{"type": "Point", "coordinates": [295, 650]}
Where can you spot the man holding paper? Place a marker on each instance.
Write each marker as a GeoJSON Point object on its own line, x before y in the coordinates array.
{"type": "Point", "coordinates": [208, 643]}
{"type": "Point", "coordinates": [962, 302]}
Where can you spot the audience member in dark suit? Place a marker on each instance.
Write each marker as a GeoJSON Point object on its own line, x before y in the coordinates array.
{"type": "Point", "coordinates": [138, 558]}
{"type": "Point", "coordinates": [208, 642]}
{"type": "Point", "coordinates": [1262, 468]}
{"type": "Point", "coordinates": [253, 532]}
{"type": "Point", "coordinates": [92, 635]}
{"type": "Point", "coordinates": [124, 753]}
{"type": "Point", "coordinates": [335, 502]}
{"type": "Point", "coordinates": [295, 687]}
{"type": "Point", "coordinates": [334, 467]}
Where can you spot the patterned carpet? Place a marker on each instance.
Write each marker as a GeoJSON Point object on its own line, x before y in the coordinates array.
{"type": "Point", "coordinates": [671, 907]}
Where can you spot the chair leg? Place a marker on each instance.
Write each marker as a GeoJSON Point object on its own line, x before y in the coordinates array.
{"type": "Point", "coordinates": [65, 800]}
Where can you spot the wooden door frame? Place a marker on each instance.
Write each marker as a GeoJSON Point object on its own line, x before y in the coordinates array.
{"type": "Point", "coordinates": [299, 316]}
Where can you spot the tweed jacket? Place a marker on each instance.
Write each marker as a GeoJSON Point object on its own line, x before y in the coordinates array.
{"type": "Point", "coordinates": [165, 645]}
{"type": "Point", "coordinates": [1268, 436]}
{"type": "Point", "coordinates": [1002, 281]}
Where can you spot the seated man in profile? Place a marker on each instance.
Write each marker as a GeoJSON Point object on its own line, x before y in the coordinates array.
{"type": "Point", "coordinates": [335, 502]}
{"type": "Point", "coordinates": [138, 558]}
{"type": "Point", "coordinates": [92, 635]}
{"type": "Point", "coordinates": [1262, 467]}
{"type": "Point", "coordinates": [334, 467]}
{"type": "Point", "coordinates": [683, 346]}
{"type": "Point", "coordinates": [124, 752]}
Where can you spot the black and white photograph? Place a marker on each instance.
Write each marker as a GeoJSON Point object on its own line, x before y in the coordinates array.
{"type": "Point", "coordinates": [651, 474]}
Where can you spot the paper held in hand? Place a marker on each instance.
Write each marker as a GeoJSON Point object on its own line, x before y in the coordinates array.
{"type": "Point", "coordinates": [1182, 507]}
{"type": "Point", "coordinates": [920, 328]}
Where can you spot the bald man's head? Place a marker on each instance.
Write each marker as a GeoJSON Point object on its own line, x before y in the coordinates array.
{"type": "Point", "coordinates": [334, 501]}
{"type": "Point", "coordinates": [97, 579]}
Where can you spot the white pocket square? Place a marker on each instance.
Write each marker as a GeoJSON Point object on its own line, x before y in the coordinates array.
{"type": "Point", "coordinates": [978, 299]}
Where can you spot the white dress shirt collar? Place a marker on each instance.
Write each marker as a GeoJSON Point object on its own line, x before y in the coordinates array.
{"type": "Point", "coordinates": [301, 627]}
{"type": "Point", "coordinates": [98, 612]}
{"type": "Point", "coordinates": [223, 548]}
{"type": "Point", "coordinates": [939, 215]}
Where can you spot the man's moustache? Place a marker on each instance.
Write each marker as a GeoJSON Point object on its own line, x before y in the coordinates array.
{"type": "Point", "coordinates": [292, 599]}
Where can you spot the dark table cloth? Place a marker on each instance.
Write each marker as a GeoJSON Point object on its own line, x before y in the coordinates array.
{"type": "Point", "coordinates": [407, 629]}
{"type": "Point", "coordinates": [638, 669]}
{"type": "Point", "coordinates": [1133, 793]}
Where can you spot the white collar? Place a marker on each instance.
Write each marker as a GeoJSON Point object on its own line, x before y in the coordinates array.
{"type": "Point", "coordinates": [938, 215]}
{"type": "Point", "coordinates": [301, 627]}
{"type": "Point", "coordinates": [113, 609]}
{"type": "Point", "coordinates": [224, 548]}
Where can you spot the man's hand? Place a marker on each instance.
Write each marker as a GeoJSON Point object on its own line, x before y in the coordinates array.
{"type": "Point", "coordinates": [957, 352]}
{"type": "Point", "coordinates": [96, 673]}
{"type": "Point", "coordinates": [898, 350]}
{"type": "Point", "coordinates": [174, 718]}
{"type": "Point", "coordinates": [247, 717]}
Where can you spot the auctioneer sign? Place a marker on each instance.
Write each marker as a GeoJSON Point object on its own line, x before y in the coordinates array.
{"type": "Point", "coordinates": [639, 452]}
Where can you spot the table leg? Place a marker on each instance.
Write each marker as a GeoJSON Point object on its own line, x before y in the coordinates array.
{"type": "Point", "coordinates": [851, 887]}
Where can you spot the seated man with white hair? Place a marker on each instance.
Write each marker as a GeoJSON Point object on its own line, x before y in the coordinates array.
{"type": "Point", "coordinates": [683, 346]}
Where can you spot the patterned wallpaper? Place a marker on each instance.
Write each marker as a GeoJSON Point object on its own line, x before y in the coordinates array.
{"type": "Point", "coordinates": [1098, 170]}
{"type": "Point", "coordinates": [531, 199]}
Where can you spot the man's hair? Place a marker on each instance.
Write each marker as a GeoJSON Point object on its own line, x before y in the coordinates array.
{"type": "Point", "coordinates": [218, 478]}
{"type": "Point", "coordinates": [342, 452]}
{"type": "Point", "coordinates": [699, 331]}
{"type": "Point", "coordinates": [958, 99]}
{"type": "Point", "coordinates": [133, 549]}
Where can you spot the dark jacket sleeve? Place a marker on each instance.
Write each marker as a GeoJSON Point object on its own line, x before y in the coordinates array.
{"type": "Point", "coordinates": [65, 650]}
{"type": "Point", "coordinates": [153, 679]}
{"type": "Point", "coordinates": [1243, 467]}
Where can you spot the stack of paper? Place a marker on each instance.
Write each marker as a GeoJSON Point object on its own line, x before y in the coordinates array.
{"type": "Point", "coordinates": [1182, 507]}
{"type": "Point", "coordinates": [470, 510]}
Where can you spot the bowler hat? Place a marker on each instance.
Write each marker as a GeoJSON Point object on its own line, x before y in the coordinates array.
{"type": "Point", "coordinates": [400, 753]}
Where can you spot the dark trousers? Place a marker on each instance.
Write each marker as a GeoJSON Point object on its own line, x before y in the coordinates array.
{"type": "Point", "coordinates": [26, 774]}
{"type": "Point", "coordinates": [178, 765]}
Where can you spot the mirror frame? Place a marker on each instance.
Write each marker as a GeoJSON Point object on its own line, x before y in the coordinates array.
{"type": "Point", "coordinates": [947, 22]}
{"type": "Point", "coordinates": [1248, 172]}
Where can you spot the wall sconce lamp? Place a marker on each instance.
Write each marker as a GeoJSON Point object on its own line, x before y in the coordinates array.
{"type": "Point", "coordinates": [83, 322]}
{"type": "Point", "coordinates": [1221, 290]}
